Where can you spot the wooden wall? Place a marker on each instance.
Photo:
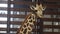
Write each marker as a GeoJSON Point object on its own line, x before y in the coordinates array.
{"type": "Point", "coordinates": [50, 24]}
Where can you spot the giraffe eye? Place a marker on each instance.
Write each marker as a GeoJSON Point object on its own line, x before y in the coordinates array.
{"type": "Point", "coordinates": [35, 10]}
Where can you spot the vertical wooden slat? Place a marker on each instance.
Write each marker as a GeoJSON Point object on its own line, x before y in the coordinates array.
{"type": "Point", "coordinates": [8, 18]}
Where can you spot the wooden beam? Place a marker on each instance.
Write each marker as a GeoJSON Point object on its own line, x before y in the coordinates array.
{"type": "Point", "coordinates": [3, 15]}
{"type": "Point", "coordinates": [3, 22]}
{"type": "Point", "coordinates": [17, 16]}
{"type": "Point", "coordinates": [5, 2]}
{"type": "Point", "coordinates": [52, 6]}
{"type": "Point", "coordinates": [52, 0]}
{"type": "Point", "coordinates": [51, 19]}
{"type": "Point", "coordinates": [22, 2]}
{"type": "Point", "coordinates": [3, 8]}
{"type": "Point", "coordinates": [15, 29]}
{"type": "Point", "coordinates": [20, 9]}
{"type": "Point", "coordinates": [50, 26]}
{"type": "Point", "coordinates": [47, 26]}
{"type": "Point", "coordinates": [51, 32]}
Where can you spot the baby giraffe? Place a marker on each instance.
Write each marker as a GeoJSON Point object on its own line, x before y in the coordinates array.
{"type": "Point", "coordinates": [28, 25]}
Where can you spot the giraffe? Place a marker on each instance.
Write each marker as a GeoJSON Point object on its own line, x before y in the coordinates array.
{"type": "Point", "coordinates": [28, 24]}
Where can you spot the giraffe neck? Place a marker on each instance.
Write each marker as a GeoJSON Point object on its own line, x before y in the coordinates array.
{"type": "Point", "coordinates": [27, 26]}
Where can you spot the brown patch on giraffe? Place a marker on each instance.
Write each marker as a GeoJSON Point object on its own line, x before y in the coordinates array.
{"type": "Point", "coordinates": [29, 29]}
{"type": "Point", "coordinates": [22, 29]}
{"type": "Point", "coordinates": [31, 20]}
{"type": "Point", "coordinates": [31, 25]}
{"type": "Point", "coordinates": [25, 30]}
{"type": "Point", "coordinates": [24, 25]}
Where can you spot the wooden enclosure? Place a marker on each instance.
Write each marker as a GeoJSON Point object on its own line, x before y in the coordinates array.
{"type": "Point", "coordinates": [17, 10]}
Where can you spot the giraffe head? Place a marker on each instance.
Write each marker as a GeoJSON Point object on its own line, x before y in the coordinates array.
{"type": "Point", "coordinates": [38, 10]}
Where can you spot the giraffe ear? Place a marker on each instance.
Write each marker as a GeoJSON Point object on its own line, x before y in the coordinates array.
{"type": "Point", "coordinates": [36, 4]}
{"type": "Point", "coordinates": [44, 8]}
{"type": "Point", "coordinates": [40, 5]}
